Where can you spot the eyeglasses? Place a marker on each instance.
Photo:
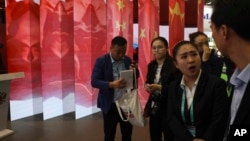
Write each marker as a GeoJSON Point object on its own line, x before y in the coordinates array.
{"type": "Point", "coordinates": [154, 48]}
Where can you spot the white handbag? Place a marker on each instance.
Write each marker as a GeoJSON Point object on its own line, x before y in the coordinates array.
{"type": "Point", "coordinates": [129, 103]}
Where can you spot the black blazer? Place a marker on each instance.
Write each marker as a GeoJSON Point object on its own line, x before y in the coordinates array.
{"type": "Point", "coordinates": [168, 74]}
{"type": "Point", "coordinates": [168, 69]}
{"type": "Point", "coordinates": [210, 110]}
{"type": "Point", "coordinates": [214, 65]}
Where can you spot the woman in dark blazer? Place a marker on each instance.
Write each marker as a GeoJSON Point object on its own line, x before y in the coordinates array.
{"type": "Point", "coordinates": [161, 72]}
{"type": "Point", "coordinates": [197, 102]}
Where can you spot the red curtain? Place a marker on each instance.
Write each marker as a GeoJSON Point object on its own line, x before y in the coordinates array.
{"type": "Point", "coordinates": [89, 43]}
{"type": "Point", "coordinates": [120, 22]}
{"type": "Point", "coordinates": [176, 22]}
{"type": "Point", "coordinates": [57, 42]}
{"type": "Point", "coordinates": [57, 38]}
{"type": "Point", "coordinates": [23, 49]}
{"type": "Point", "coordinates": [148, 29]}
{"type": "Point", "coordinates": [200, 10]}
{"type": "Point", "coordinates": [23, 41]}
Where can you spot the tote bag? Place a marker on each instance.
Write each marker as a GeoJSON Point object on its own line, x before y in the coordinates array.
{"type": "Point", "coordinates": [129, 103]}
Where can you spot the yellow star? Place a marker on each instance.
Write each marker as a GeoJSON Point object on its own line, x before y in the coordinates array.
{"type": "Point", "coordinates": [176, 11]}
{"type": "Point", "coordinates": [142, 33]}
{"type": "Point", "coordinates": [117, 25]}
{"type": "Point", "coordinates": [123, 26]}
{"type": "Point", "coordinates": [120, 5]}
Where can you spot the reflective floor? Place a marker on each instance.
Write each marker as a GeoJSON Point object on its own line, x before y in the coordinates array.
{"type": "Point", "coordinates": [66, 128]}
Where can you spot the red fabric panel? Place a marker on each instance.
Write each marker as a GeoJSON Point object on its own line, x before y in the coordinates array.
{"type": "Point", "coordinates": [148, 29]}
{"type": "Point", "coordinates": [120, 22]}
{"type": "Point", "coordinates": [176, 22]}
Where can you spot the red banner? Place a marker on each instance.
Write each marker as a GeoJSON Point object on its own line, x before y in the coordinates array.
{"type": "Point", "coordinates": [90, 43]}
{"type": "Point", "coordinates": [176, 22]}
{"type": "Point", "coordinates": [200, 11]}
{"type": "Point", "coordinates": [58, 75]}
{"type": "Point", "coordinates": [120, 22]}
{"type": "Point", "coordinates": [23, 48]}
{"type": "Point", "coordinates": [148, 29]}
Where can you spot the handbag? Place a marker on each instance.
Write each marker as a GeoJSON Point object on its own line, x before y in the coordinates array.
{"type": "Point", "coordinates": [129, 104]}
{"type": "Point", "coordinates": [152, 107]}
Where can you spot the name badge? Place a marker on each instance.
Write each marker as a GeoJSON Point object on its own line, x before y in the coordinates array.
{"type": "Point", "coordinates": [192, 130]}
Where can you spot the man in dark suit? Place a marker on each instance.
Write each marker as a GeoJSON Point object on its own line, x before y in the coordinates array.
{"type": "Point", "coordinates": [230, 26]}
{"type": "Point", "coordinates": [105, 77]}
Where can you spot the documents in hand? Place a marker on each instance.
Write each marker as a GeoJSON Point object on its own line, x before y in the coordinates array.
{"type": "Point", "coordinates": [128, 76]}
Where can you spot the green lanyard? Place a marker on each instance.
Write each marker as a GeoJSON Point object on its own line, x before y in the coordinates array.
{"type": "Point", "coordinates": [191, 128]}
{"type": "Point", "coordinates": [229, 89]}
{"type": "Point", "coordinates": [183, 102]}
{"type": "Point", "coordinates": [224, 72]}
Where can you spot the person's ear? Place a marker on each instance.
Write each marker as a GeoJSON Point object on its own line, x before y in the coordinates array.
{"type": "Point", "coordinates": [225, 32]}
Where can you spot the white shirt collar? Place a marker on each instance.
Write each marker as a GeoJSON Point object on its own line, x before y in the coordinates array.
{"type": "Point", "coordinates": [112, 59]}
{"type": "Point", "coordinates": [183, 84]}
{"type": "Point", "coordinates": [240, 77]}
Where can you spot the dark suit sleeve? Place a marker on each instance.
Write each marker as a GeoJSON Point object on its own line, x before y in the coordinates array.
{"type": "Point", "coordinates": [98, 79]}
{"type": "Point", "coordinates": [213, 65]}
{"type": "Point", "coordinates": [217, 126]}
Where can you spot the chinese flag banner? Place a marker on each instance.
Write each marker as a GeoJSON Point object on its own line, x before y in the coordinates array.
{"type": "Point", "coordinates": [90, 43]}
{"type": "Point", "coordinates": [176, 22]}
{"type": "Point", "coordinates": [23, 49]}
{"type": "Point", "coordinates": [58, 74]}
{"type": "Point", "coordinates": [148, 29]}
{"type": "Point", "coordinates": [200, 11]}
{"type": "Point", "coordinates": [120, 22]}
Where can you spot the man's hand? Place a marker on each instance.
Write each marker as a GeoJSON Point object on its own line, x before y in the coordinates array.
{"type": "Point", "coordinates": [132, 66]}
{"type": "Point", "coordinates": [121, 83]}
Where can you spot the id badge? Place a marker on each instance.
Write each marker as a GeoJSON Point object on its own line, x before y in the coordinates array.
{"type": "Point", "coordinates": [192, 130]}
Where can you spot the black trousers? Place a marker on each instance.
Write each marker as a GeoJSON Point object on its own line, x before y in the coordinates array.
{"type": "Point", "coordinates": [111, 119]}
{"type": "Point", "coordinates": [156, 128]}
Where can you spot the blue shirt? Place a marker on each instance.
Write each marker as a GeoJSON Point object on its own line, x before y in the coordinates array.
{"type": "Point", "coordinates": [239, 79]}
{"type": "Point", "coordinates": [117, 67]}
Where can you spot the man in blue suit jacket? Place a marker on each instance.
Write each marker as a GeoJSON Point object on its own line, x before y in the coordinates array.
{"type": "Point", "coordinates": [105, 77]}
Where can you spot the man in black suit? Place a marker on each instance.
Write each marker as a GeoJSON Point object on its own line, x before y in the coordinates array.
{"type": "Point", "coordinates": [230, 26]}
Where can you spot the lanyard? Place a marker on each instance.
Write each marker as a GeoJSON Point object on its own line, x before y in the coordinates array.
{"type": "Point", "coordinates": [229, 89]}
{"type": "Point", "coordinates": [183, 102]}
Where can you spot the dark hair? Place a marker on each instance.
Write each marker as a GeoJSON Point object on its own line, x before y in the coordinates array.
{"type": "Point", "coordinates": [165, 42]}
{"type": "Point", "coordinates": [178, 46]}
{"type": "Point", "coordinates": [119, 40]}
{"type": "Point", "coordinates": [234, 14]}
{"type": "Point", "coordinates": [194, 35]}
